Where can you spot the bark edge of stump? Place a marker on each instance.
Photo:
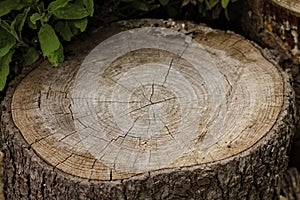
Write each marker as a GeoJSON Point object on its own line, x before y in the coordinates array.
{"type": "Point", "coordinates": [254, 173]}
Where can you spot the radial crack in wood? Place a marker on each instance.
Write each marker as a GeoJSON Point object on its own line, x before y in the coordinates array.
{"type": "Point", "coordinates": [151, 105]}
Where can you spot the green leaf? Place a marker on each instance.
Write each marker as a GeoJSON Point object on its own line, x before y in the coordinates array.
{"type": "Point", "coordinates": [81, 24]}
{"type": "Point", "coordinates": [185, 2]}
{"type": "Point", "coordinates": [18, 23]}
{"type": "Point", "coordinates": [57, 56]}
{"type": "Point", "coordinates": [163, 2]}
{"type": "Point", "coordinates": [48, 40]}
{"type": "Point", "coordinates": [224, 3]}
{"type": "Point", "coordinates": [9, 5]}
{"type": "Point", "coordinates": [64, 30]}
{"type": "Point", "coordinates": [211, 3]}
{"type": "Point", "coordinates": [71, 11]}
{"type": "Point", "coordinates": [7, 41]}
{"type": "Point", "coordinates": [31, 25]}
{"type": "Point", "coordinates": [5, 25]}
{"type": "Point", "coordinates": [89, 5]}
{"type": "Point", "coordinates": [35, 17]}
{"type": "Point", "coordinates": [53, 6]}
{"type": "Point", "coordinates": [41, 7]}
{"type": "Point", "coordinates": [74, 30]}
{"type": "Point", "coordinates": [31, 56]}
{"type": "Point", "coordinates": [4, 68]}
{"type": "Point", "coordinates": [140, 6]}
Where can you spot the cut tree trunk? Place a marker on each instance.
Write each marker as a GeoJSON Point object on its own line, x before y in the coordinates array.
{"type": "Point", "coordinates": [290, 184]}
{"type": "Point", "coordinates": [274, 24]}
{"type": "Point", "coordinates": [140, 111]}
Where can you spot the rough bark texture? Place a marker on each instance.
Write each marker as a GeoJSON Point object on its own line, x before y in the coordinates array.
{"type": "Point", "coordinates": [272, 26]}
{"type": "Point", "coordinates": [290, 184]}
{"type": "Point", "coordinates": [275, 24]}
{"type": "Point", "coordinates": [253, 173]}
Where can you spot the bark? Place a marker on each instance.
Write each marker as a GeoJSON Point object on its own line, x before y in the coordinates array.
{"type": "Point", "coordinates": [290, 184]}
{"type": "Point", "coordinates": [39, 166]}
{"type": "Point", "coordinates": [275, 25]}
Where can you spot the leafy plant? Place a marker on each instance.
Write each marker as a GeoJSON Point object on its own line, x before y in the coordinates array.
{"type": "Point", "coordinates": [112, 10]}
{"type": "Point", "coordinates": [31, 28]}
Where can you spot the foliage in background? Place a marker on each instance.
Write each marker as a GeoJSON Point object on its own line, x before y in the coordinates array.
{"type": "Point", "coordinates": [112, 10]}
{"type": "Point", "coordinates": [30, 29]}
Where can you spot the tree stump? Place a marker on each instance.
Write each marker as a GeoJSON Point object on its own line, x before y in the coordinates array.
{"type": "Point", "coordinates": [274, 24]}
{"type": "Point", "coordinates": [290, 184]}
{"type": "Point", "coordinates": [150, 109]}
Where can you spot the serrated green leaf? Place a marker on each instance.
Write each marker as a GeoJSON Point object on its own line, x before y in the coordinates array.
{"type": "Point", "coordinates": [71, 11]}
{"type": "Point", "coordinates": [140, 6]}
{"type": "Point", "coordinates": [163, 2]}
{"type": "Point", "coordinates": [18, 23]}
{"type": "Point", "coordinates": [31, 56]}
{"type": "Point", "coordinates": [81, 24]}
{"type": "Point", "coordinates": [64, 30]}
{"type": "Point", "coordinates": [57, 56]}
{"type": "Point", "coordinates": [48, 40]}
{"type": "Point", "coordinates": [224, 3]}
{"type": "Point", "coordinates": [4, 68]}
{"type": "Point", "coordinates": [89, 5]}
{"type": "Point", "coordinates": [7, 41]}
{"type": "Point", "coordinates": [53, 6]}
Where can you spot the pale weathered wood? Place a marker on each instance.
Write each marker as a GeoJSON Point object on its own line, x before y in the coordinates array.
{"type": "Point", "coordinates": [150, 113]}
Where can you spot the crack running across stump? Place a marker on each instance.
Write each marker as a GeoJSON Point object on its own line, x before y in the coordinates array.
{"type": "Point", "coordinates": [143, 107]}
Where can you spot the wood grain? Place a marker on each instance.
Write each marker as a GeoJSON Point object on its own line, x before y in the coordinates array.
{"type": "Point", "coordinates": [148, 99]}
{"type": "Point", "coordinates": [150, 113]}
